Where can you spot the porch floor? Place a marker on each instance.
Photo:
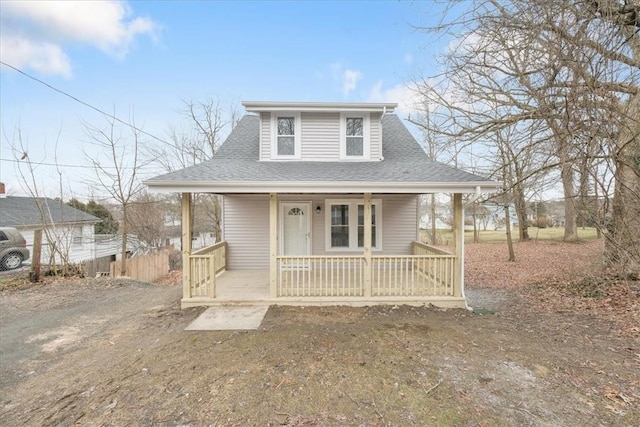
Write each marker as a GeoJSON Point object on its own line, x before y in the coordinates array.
{"type": "Point", "coordinates": [251, 287]}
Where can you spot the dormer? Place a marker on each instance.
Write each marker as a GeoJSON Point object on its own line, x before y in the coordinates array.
{"type": "Point", "coordinates": [298, 131]}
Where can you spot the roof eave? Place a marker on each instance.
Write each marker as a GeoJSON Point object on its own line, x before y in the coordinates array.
{"type": "Point", "coordinates": [263, 106]}
{"type": "Point", "coordinates": [322, 187]}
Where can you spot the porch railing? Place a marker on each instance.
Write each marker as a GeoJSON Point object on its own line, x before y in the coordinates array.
{"type": "Point", "coordinates": [204, 264]}
{"type": "Point", "coordinates": [329, 276]}
{"type": "Point", "coordinates": [429, 271]}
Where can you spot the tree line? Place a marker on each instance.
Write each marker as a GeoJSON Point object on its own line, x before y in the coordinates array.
{"type": "Point", "coordinates": [540, 92]}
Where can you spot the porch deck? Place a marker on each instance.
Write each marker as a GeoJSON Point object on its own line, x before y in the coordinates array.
{"type": "Point", "coordinates": [425, 277]}
{"type": "Point", "coordinates": [251, 287]}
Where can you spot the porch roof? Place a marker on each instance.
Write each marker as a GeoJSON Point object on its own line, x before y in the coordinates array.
{"type": "Point", "coordinates": [405, 168]}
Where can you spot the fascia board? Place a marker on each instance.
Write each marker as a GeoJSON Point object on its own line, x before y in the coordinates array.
{"type": "Point", "coordinates": [257, 107]}
{"type": "Point", "coordinates": [323, 187]}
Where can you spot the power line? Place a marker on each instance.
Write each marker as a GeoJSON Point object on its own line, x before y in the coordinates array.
{"type": "Point", "coordinates": [67, 166]}
{"type": "Point", "coordinates": [86, 104]}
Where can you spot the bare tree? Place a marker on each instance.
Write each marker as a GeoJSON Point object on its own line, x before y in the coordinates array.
{"type": "Point", "coordinates": [208, 122]}
{"type": "Point", "coordinates": [117, 164]}
{"type": "Point", "coordinates": [58, 237]}
{"type": "Point", "coordinates": [146, 218]}
{"type": "Point", "coordinates": [573, 68]}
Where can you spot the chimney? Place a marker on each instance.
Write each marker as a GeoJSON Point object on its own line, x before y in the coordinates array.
{"type": "Point", "coordinates": [3, 194]}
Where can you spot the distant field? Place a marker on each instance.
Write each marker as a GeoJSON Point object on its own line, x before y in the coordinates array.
{"type": "Point", "coordinates": [491, 236]}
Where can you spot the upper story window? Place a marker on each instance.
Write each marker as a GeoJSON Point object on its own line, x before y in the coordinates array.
{"type": "Point", "coordinates": [286, 136]}
{"type": "Point", "coordinates": [354, 136]}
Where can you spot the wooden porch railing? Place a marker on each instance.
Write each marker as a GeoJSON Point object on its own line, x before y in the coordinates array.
{"type": "Point", "coordinates": [320, 276]}
{"type": "Point", "coordinates": [204, 264]}
{"type": "Point", "coordinates": [428, 272]}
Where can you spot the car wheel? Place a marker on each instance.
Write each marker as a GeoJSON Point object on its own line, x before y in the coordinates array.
{"type": "Point", "coordinates": [11, 261]}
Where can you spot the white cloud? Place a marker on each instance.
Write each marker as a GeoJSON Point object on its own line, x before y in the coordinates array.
{"type": "Point", "coordinates": [43, 57]}
{"type": "Point", "coordinates": [350, 81]}
{"type": "Point", "coordinates": [403, 94]}
{"type": "Point", "coordinates": [42, 28]}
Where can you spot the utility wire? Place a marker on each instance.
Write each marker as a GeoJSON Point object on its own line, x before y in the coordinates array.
{"type": "Point", "coordinates": [67, 166]}
{"type": "Point", "coordinates": [82, 102]}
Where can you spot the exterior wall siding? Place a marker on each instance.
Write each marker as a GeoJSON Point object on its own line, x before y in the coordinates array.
{"type": "Point", "coordinates": [246, 230]}
{"type": "Point", "coordinates": [320, 136]}
{"type": "Point", "coordinates": [265, 136]}
{"type": "Point", "coordinates": [376, 136]}
{"type": "Point", "coordinates": [89, 247]}
{"type": "Point", "coordinates": [246, 227]}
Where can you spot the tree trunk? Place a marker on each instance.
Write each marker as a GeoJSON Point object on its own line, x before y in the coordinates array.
{"type": "Point", "coordinates": [123, 251]}
{"type": "Point", "coordinates": [521, 213]}
{"type": "Point", "coordinates": [507, 222]}
{"type": "Point", "coordinates": [622, 249]}
{"type": "Point", "coordinates": [570, 223]}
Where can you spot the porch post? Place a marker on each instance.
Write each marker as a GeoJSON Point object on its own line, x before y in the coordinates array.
{"type": "Point", "coordinates": [458, 242]}
{"type": "Point", "coordinates": [186, 245]}
{"type": "Point", "coordinates": [368, 265]}
{"type": "Point", "coordinates": [273, 244]}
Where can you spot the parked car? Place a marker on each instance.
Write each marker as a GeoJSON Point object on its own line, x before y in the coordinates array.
{"type": "Point", "coordinates": [13, 249]}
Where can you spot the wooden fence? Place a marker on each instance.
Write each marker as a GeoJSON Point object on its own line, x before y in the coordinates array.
{"type": "Point", "coordinates": [146, 268]}
{"type": "Point", "coordinates": [98, 266]}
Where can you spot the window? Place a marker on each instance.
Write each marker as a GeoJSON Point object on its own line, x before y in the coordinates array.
{"type": "Point", "coordinates": [76, 236]}
{"type": "Point", "coordinates": [286, 136]}
{"type": "Point", "coordinates": [361, 226]}
{"type": "Point", "coordinates": [354, 136]}
{"type": "Point", "coordinates": [339, 226]}
{"type": "Point", "coordinates": [286, 140]}
{"type": "Point", "coordinates": [345, 224]}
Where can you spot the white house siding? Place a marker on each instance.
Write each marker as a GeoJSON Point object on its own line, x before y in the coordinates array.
{"type": "Point", "coordinates": [320, 136]}
{"type": "Point", "coordinates": [78, 242]}
{"type": "Point", "coordinates": [265, 136]}
{"type": "Point", "coordinates": [246, 230]}
{"type": "Point", "coordinates": [246, 226]}
{"type": "Point", "coordinates": [376, 136]}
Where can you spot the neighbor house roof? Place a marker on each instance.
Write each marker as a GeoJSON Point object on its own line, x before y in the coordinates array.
{"type": "Point", "coordinates": [25, 211]}
{"type": "Point", "coordinates": [236, 168]}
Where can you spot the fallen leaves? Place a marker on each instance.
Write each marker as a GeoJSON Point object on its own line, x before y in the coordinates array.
{"type": "Point", "coordinates": [558, 277]}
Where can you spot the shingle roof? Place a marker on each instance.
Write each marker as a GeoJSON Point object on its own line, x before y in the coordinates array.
{"type": "Point", "coordinates": [237, 162]}
{"type": "Point", "coordinates": [24, 211]}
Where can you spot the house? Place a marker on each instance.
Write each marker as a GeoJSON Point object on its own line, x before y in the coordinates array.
{"type": "Point", "coordinates": [68, 233]}
{"type": "Point", "coordinates": [320, 206]}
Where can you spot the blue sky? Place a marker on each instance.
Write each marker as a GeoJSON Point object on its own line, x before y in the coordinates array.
{"type": "Point", "coordinates": [146, 57]}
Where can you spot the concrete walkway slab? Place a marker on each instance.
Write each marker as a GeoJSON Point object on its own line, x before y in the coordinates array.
{"type": "Point", "coordinates": [229, 318]}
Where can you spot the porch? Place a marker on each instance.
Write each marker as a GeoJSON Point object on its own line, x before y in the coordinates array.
{"type": "Point", "coordinates": [426, 276]}
{"type": "Point", "coordinates": [422, 274]}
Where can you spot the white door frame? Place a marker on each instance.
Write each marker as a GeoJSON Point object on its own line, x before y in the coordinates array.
{"type": "Point", "coordinates": [283, 208]}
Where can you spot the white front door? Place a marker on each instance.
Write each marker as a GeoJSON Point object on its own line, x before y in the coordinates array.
{"type": "Point", "coordinates": [296, 228]}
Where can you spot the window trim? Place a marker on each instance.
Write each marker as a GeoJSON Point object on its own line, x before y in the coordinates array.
{"type": "Point", "coordinates": [296, 136]}
{"type": "Point", "coordinates": [353, 224]}
{"type": "Point", "coordinates": [366, 135]}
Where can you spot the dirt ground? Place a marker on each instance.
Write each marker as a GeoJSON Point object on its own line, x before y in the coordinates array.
{"type": "Point", "coordinates": [560, 348]}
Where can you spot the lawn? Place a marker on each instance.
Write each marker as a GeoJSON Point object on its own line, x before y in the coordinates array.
{"type": "Point", "coordinates": [493, 236]}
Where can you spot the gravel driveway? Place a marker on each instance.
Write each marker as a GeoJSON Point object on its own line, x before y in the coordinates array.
{"type": "Point", "coordinates": [38, 325]}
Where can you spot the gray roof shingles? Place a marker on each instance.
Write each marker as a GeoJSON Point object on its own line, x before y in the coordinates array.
{"type": "Point", "coordinates": [23, 211]}
{"type": "Point", "coordinates": [237, 161]}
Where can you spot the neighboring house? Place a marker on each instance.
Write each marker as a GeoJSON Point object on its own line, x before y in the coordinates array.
{"type": "Point", "coordinates": [70, 230]}
{"type": "Point", "coordinates": [320, 206]}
